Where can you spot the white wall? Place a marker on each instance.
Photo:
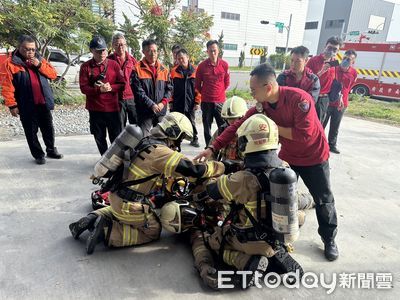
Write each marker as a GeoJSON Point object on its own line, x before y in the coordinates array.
{"type": "Point", "coordinates": [315, 13]}
{"type": "Point", "coordinates": [394, 30]}
{"type": "Point", "coordinates": [360, 16]}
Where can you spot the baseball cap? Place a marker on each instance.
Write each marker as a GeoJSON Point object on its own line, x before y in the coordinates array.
{"type": "Point", "coordinates": [98, 43]}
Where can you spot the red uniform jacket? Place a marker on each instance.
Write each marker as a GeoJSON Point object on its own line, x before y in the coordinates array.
{"type": "Point", "coordinates": [295, 109]}
{"type": "Point", "coordinates": [212, 81]}
{"type": "Point", "coordinates": [89, 74]}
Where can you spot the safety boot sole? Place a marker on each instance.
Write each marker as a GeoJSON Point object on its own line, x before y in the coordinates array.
{"type": "Point", "coordinates": [96, 234]}
{"type": "Point", "coordinates": [78, 227]}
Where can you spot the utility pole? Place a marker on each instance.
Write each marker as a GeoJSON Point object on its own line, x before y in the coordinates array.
{"type": "Point", "coordinates": [287, 41]}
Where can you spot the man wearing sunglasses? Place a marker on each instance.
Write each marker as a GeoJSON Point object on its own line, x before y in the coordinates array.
{"type": "Point", "coordinates": [323, 66]}
{"type": "Point", "coordinates": [101, 80]}
{"type": "Point", "coordinates": [27, 93]}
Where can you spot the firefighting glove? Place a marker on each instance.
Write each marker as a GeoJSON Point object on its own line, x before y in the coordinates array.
{"type": "Point", "coordinates": [231, 166]}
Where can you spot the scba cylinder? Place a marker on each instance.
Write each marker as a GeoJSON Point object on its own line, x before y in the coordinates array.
{"type": "Point", "coordinates": [112, 158]}
{"type": "Point", "coordinates": [283, 184]}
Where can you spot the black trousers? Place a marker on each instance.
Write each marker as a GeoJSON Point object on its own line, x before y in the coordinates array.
{"type": "Point", "coordinates": [191, 115]}
{"type": "Point", "coordinates": [100, 124]}
{"type": "Point", "coordinates": [316, 178]}
{"type": "Point", "coordinates": [210, 111]}
{"type": "Point", "coordinates": [335, 116]}
{"type": "Point", "coordinates": [128, 112]}
{"type": "Point", "coordinates": [41, 118]}
{"type": "Point", "coordinates": [322, 107]}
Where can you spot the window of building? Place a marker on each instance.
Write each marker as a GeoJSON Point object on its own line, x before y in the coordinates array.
{"type": "Point", "coordinates": [258, 46]}
{"type": "Point", "coordinates": [230, 16]}
{"type": "Point", "coordinates": [196, 9]}
{"type": "Point", "coordinates": [311, 25]}
{"type": "Point", "coordinates": [376, 22]}
{"type": "Point", "coordinates": [334, 23]}
{"type": "Point", "coordinates": [230, 47]}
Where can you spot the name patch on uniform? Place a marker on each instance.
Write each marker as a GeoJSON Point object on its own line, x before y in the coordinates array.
{"type": "Point", "coordinates": [304, 106]}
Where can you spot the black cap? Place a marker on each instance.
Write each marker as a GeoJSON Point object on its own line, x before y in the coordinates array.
{"type": "Point", "coordinates": [98, 43]}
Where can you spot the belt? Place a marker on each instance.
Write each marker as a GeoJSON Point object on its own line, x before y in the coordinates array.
{"type": "Point", "coordinates": [130, 195]}
{"type": "Point", "coordinates": [245, 235]}
{"type": "Point", "coordinates": [323, 95]}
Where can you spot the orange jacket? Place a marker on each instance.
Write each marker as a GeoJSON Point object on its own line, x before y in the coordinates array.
{"type": "Point", "coordinates": [15, 85]}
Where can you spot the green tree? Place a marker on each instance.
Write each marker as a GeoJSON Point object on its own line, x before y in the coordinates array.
{"type": "Point", "coordinates": [132, 36]}
{"type": "Point", "coordinates": [221, 44]}
{"type": "Point", "coordinates": [191, 32]}
{"type": "Point", "coordinates": [241, 59]}
{"type": "Point", "coordinates": [67, 24]}
{"type": "Point", "coordinates": [157, 21]}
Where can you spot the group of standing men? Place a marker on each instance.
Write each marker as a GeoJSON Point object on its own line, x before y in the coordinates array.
{"type": "Point", "coordinates": [117, 88]}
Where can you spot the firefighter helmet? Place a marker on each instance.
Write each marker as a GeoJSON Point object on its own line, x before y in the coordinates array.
{"type": "Point", "coordinates": [257, 133]}
{"type": "Point", "coordinates": [177, 216]}
{"type": "Point", "coordinates": [234, 107]}
{"type": "Point", "coordinates": [175, 124]}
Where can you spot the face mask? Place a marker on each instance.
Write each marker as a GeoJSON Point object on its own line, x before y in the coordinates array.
{"type": "Point", "coordinates": [329, 53]}
{"type": "Point", "coordinates": [345, 63]}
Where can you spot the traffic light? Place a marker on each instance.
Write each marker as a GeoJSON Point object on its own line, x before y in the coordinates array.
{"type": "Point", "coordinates": [264, 22]}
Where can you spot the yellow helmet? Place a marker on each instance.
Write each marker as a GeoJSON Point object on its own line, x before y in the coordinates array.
{"type": "Point", "coordinates": [177, 216]}
{"type": "Point", "coordinates": [175, 124]}
{"type": "Point", "coordinates": [234, 107]}
{"type": "Point", "coordinates": [257, 133]}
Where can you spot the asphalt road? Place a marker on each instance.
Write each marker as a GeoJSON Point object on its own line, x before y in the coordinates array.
{"type": "Point", "coordinates": [40, 259]}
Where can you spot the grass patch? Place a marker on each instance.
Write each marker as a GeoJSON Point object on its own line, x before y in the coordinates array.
{"type": "Point", "coordinates": [64, 96]}
{"type": "Point", "coordinates": [245, 94]}
{"type": "Point", "coordinates": [245, 68]}
{"type": "Point", "coordinates": [367, 108]}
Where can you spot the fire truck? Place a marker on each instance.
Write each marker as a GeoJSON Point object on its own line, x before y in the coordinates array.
{"type": "Point", "coordinates": [378, 69]}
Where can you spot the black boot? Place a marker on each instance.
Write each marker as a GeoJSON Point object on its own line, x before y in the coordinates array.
{"type": "Point", "coordinates": [331, 250]}
{"type": "Point", "coordinates": [282, 262]}
{"type": "Point", "coordinates": [97, 235]}
{"type": "Point", "coordinates": [83, 224]}
{"type": "Point", "coordinates": [209, 275]}
{"type": "Point", "coordinates": [54, 154]}
{"type": "Point", "coordinates": [258, 265]}
{"type": "Point", "coordinates": [195, 142]}
{"type": "Point", "coordinates": [334, 149]}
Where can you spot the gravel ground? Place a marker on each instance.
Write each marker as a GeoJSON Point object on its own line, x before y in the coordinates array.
{"type": "Point", "coordinates": [68, 120]}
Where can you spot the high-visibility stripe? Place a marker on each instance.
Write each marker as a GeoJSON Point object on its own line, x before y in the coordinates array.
{"type": "Point", "coordinates": [230, 256]}
{"type": "Point", "coordinates": [170, 163]}
{"type": "Point", "coordinates": [134, 236]}
{"type": "Point", "coordinates": [210, 169]}
{"type": "Point", "coordinates": [136, 170]}
{"type": "Point", "coordinates": [224, 187]}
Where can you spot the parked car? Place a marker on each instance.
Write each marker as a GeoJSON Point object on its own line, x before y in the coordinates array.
{"type": "Point", "coordinates": [59, 60]}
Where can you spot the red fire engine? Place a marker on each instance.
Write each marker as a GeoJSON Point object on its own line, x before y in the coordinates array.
{"type": "Point", "coordinates": [377, 65]}
{"type": "Point", "coordinates": [378, 69]}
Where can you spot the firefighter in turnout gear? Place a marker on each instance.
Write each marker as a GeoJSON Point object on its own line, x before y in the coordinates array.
{"type": "Point", "coordinates": [233, 109]}
{"type": "Point", "coordinates": [249, 239]}
{"type": "Point", "coordinates": [130, 218]}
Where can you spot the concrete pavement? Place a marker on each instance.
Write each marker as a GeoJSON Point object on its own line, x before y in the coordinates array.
{"type": "Point", "coordinates": [40, 259]}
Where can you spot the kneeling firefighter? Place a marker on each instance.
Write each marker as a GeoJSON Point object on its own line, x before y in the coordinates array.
{"type": "Point", "coordinates": [263, 217]}
{"type": "Point", "coordinates": [130, 218]}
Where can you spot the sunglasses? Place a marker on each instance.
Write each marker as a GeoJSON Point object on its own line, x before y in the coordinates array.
{"type": "Point", "coordinates": [29, 49]}
{"type": "Point", "coordinates": [100, 51]}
